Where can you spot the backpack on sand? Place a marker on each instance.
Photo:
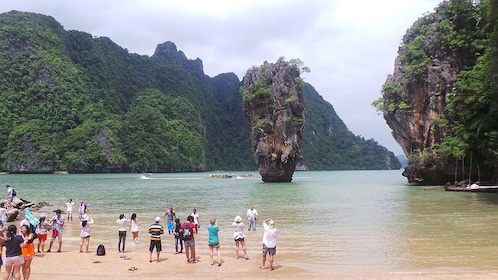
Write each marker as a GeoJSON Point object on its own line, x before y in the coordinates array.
{"type": "Point", "coordinates": [101, 250]}
{"type": "Point", "coordinates": [187, 231]}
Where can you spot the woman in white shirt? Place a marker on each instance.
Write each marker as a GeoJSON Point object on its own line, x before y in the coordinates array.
{"type": "Point", "coordinates": [122, 231]}
{"type": "Point", "coordinates": [238, 236]}
{"type": "Point", "coordinates": [86, 221]}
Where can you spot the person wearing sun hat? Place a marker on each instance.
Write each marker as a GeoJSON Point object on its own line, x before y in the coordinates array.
{"type": "Point", "coordinates": [85, 223]}
{"type": "Point", "coordinates": [238, 236]}
{"type": "Point", "coordinates": [42, 231]}
{"type": "Point", "coordinates": [155, 230]}
{"type": "Point", "coordinates": [269, 242]}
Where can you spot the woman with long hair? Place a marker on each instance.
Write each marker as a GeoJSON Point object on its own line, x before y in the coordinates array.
{"type": "Point", "coordinates": [134, 225]}
{"type": "Point", "coordinates": [13, 255]}
{"type": "Point", "coordinates": [28, 251]}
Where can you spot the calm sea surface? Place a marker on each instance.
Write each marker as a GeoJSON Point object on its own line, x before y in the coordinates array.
{"type": "Point", "coordinates": [339, 220]}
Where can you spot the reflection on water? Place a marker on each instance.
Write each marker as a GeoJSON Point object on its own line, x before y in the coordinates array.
{"type": "Point", "coordinates": [339, 220]}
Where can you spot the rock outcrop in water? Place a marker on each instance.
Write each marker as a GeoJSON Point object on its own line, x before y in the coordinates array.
{"type": "Point", "coordinates": [274, 107]}
{"type": "Point", "coordinates": [433, 101]}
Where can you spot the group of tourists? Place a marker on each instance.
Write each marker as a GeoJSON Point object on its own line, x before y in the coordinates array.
{"type": "Point", "coordinates": [20, 249]}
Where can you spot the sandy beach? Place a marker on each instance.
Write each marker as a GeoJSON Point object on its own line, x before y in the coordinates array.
{"type": "Point", "coordinates": [134, 264]}
{"type": "Point", "coordinates": [74, 265]}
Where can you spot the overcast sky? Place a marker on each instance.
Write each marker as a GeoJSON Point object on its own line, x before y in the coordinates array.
{"type": "Point", "coordinates": [349, 45]}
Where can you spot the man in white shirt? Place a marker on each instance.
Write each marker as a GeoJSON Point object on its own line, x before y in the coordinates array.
{"type": "Point", "coordinates": [252, 218]}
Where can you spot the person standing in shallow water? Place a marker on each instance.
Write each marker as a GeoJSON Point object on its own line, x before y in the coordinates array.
{"type": "Point", "coordinates": [170, 216]}
{"type": "Point", "coordinates": [269, 242]}
{"type": "Point", "coordinates": [122, 232]}
{"type": "Point", "coordinates": [196, 221]}
{"type": "Point", "coordinates": [252, 217]}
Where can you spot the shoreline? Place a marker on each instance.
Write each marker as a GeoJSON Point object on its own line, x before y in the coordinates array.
{"type": "Point", "coordinates": [134, 263]}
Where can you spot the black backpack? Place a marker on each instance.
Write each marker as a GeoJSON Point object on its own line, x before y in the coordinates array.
{"type": "Point", "coordinates": [187, 232]}
{"type": "Point", "coordinates": [101, 250]}
{"type": "Point", "coordinates": [14, 192]}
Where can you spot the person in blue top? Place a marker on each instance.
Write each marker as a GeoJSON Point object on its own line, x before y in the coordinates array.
{"type": "Point", "coordinates": [213, 240]}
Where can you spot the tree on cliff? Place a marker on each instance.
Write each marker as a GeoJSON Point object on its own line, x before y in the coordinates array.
{"type": "Point", "coordinates": [441, 101]}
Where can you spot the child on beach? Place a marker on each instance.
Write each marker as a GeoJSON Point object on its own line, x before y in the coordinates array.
{"type": "Point", "coordinates": [86, 221]}
{"type": "Point", "coordinates": [213, 240]}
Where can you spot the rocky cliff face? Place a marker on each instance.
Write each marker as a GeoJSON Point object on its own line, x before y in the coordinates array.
{"type": "Point", "coordinates": [416, 94]}
{"type": "Point", "coordinates": [274, 107]}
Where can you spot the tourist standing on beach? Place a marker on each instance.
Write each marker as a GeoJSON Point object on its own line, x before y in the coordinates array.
{"type": "Point", "coordinates": [13, 255]}
{"type": "Point", "coordinates": [122, 231]}
{"type": "Point", "coordinates": [28, 251]}
{"type": "Point", "coordinates": [69, 209]}
{"type": "Point", "coordinates": [196, 219]}
{"type": "Point", "coordinates": [3, 232]}
{"type": "Point", "coordinates": [188, 229]}
{"type": "Point", "coordinates": [239, 236]}
{"type": "Point", "coordinates": [214, 240]}
{"type": "Point", "coordinates": [57, 224]}
{"type": "Point", "coordinates": [42, 231]}
{"type": "Point", "coordinates": [178, 236]}
{"type": "Point", "coordinates": [252, 218]}
{"type": "Point", "coordinates": [82, 209]}
{"type": "Point", "coordinates": [155, 230]}
{"type": "Point", "coordinates": [3, 213]}
{"type": "Point", "coordinates": [170, 216]}
{"type": "Point", "coordinates": [134, 225]}
{"type": "Point", "coordinates": [269, 242]}
{"type": "Point", "coordinates": [85, 223]}
{"type": "Point", "coordinates": [10, 194]}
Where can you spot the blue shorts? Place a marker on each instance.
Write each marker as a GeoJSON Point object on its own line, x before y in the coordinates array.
{"type": "Point", "coordinates": [171, 226]}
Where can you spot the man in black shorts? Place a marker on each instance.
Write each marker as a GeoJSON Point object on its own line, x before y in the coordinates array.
{"type": "Point", "coordinates": [155, 230]}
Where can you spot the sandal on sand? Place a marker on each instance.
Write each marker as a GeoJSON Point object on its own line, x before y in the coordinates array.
{"type": "Point", "coordinates": [219, 264]}
{"type": "Point", "coordinates": [262, 267]}
{"type": "Point", "coordinates": [247, 258]}
{"type": "Point", "coordinates": [97, 262]}
{"type": "Point", "coordinates": [187, 261]}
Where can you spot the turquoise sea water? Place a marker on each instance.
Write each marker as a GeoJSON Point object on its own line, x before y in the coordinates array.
{"type": "Point", "coordinates": [339, 220]}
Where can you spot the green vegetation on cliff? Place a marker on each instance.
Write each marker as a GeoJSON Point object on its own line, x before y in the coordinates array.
{"type": "Point", "coordinates": [448, 70]}
{"type": "Point", "coordinates": [71, 101]}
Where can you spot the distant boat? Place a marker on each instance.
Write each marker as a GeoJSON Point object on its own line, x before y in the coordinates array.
{"type": "Point", "coordinates": [221, 176]}
{"type": "Point", "coordinates": [481, 189]}
{"type": "Point", "coordinates": [146, 176]}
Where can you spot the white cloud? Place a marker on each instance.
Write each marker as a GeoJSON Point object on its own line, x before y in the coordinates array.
{"type": "Point", "coordinates": [349, 46]}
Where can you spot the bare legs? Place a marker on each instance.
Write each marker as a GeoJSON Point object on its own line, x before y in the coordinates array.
{"type": "Point", "coordinates": [271, 262]}
{"type": "Point", "coordinates": [243, 244]}
{"type": "Point", "coordinates": [26, 269]}
{"type": "Point", "coordinates": [83, 241]}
